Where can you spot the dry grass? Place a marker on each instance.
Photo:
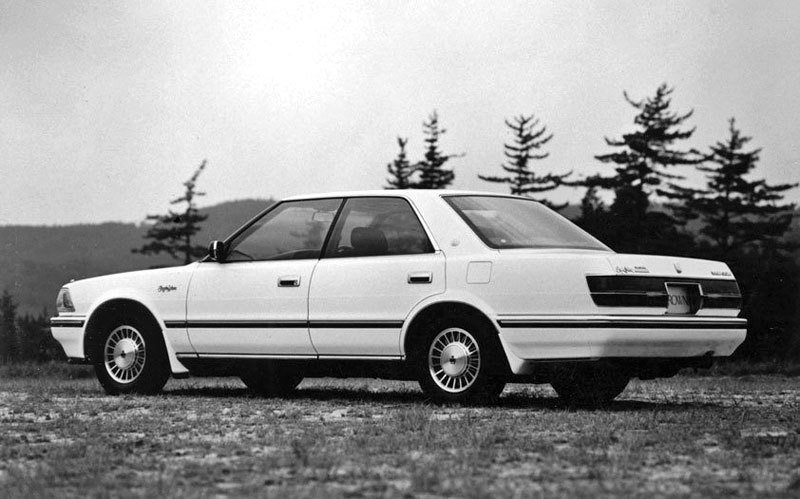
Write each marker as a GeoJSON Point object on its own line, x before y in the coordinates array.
{"type": "Point", "coordinates": [695, 436]}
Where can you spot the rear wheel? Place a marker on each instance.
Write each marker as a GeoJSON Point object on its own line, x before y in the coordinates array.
{"type": "Point", "coordinates": [270, 380]}
{"type": "Point", "coordinates": [455, 362]}
{"type": "Point", "coordinates": [130, 358]}
{"type": "Point", "coordinates": [593, 385]}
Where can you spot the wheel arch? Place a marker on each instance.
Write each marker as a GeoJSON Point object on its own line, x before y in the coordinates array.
{"type": "Point", "coordinates": [108, 309]}
{"type": "Point", "coordinates": [428, 311]}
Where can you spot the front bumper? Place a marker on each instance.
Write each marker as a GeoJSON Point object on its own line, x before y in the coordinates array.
{"type": "Point", "coordinates": [68, 331]}
{"type": "Point", "coordinates": [535, 338]}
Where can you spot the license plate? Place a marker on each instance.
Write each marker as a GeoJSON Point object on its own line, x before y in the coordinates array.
{"type": "Point", "coordinates": [679, 300]}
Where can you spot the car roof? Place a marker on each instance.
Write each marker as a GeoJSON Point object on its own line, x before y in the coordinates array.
{"type": "Point", "coordinates": [404, 193]}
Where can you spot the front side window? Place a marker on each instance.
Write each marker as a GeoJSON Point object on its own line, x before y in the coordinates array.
{"type": "Point", "coordinates": [293, 230]}
{"type": "Point", "coordinates": [377, 226]}
{"type": "Point", "coordinates": [506, 222]}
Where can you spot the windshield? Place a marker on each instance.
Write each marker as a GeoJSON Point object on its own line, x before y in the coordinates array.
{"type": "Point", "coordinates": [507, 222]}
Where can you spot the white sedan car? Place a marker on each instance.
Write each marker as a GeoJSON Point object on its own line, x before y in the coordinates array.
{"type": "Point", "coordinates": [462, 291]}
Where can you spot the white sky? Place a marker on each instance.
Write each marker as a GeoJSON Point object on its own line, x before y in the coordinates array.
{"type": "Point", "coordinates": [107, 107]}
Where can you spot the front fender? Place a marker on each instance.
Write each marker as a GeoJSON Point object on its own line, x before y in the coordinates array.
{"type": "Point", "coordinates": [133, 294]}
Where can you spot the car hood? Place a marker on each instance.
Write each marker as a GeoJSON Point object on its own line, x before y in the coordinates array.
{"type": "Point", "coordinates": [153, 284]}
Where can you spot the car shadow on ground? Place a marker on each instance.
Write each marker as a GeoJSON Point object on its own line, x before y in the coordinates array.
{"type": "Point", "coordinates": [353, 397]}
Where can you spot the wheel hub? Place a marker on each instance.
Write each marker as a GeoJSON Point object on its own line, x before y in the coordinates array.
{"type": "Point", "coordinates": [455, 357]}
{"type": "Point", "coordinates": [124, 354]}
{"type": "Point", "coordinates": [454, 360]}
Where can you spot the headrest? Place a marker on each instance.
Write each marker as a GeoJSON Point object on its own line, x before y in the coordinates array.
{"type": "Point", "coordinates": [368, 241]}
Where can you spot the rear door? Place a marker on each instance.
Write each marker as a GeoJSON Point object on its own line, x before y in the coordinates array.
{"type": "Point", "coordinates": [378, 264]}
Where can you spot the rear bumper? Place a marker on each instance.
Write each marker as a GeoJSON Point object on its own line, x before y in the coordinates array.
{"type": "Point", "coordinates": [533, 338]}
{"type": "Point", "coordinates": [68, 331]}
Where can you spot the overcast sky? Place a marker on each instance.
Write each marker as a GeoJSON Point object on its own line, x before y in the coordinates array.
{"type": "Point", "coordinates": [107, 107]}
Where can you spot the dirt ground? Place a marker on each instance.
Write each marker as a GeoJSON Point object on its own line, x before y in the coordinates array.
{"type": "Point", "coordinates": [704, 436]}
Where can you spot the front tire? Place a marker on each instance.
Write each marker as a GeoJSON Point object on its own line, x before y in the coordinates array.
{"type": "Point", "coordinates": [456, 362]}
{"type": "Point", "coordinates": [130, 358]}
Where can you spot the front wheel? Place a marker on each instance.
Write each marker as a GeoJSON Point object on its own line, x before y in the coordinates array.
{"type": "Point", "coordinates": [130, 358]}
{"type": "Point", "coordinates": [454, 363]}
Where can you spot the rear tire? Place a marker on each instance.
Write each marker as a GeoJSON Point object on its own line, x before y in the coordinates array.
{"type": "Point", "coordinates": [270, 379]}
{"type": "Point", "coordinates": [456, 361]}
{"type": "Point", "coordinates": [130, 357]}
{"type": "Point", "coordinates": [595, 385]}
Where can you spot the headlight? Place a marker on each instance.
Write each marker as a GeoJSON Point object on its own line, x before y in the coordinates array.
{"type": "Point", "coordinates": [64, 301]}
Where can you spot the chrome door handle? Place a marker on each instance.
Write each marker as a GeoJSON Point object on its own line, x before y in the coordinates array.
{"type": "Point", "coordinates": [420, 277]}
{"type": "Point", "coordinates": [289, 281]}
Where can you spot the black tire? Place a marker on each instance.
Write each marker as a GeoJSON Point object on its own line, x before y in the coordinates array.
{"type": "Point", "coordinates": [270, 379]}
{"type": "Point", "coordinates": [130, 357]}
{"type": "Point", "coordinates": [474, 365]}
{"type": "Point", "coordinates": [594, 385]}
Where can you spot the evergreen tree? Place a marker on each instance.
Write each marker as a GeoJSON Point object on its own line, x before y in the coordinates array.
{"type": "Point", "coordinates": [35, 341]}
{"type": "Point", "coordinates": [594, 217]}
{"type": "Point", "coordinates": [8, 328]}
{"type": "Point", "coordinates": [432, 174]}
{"type": "Point", "coordinates": [743, 222]}
{"type": "Point", "coordinates": [736, 213]}
{"type": "Point", "coordinates": [400, 170]}
{"type": "Point", "coordinates": [172, 233]}
{"type": "Point", "coordinates": [644, 159]}
{"type": "Point", "coordinates": [529, 138]}
{"type": "Point", "coordinates": [27, 338]}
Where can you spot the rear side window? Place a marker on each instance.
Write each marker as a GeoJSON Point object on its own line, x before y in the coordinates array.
{"type": "Point", "coordinates": [507, 222]}
{"type": "Point", "coordinates": [377, 226]}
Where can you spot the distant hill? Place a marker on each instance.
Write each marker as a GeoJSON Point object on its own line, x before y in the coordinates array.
{"type": "Point", "coordinates": [36, 260]}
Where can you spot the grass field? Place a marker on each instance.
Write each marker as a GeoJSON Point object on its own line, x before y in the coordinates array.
{"type": "Point", "coordinates": [688, 435]}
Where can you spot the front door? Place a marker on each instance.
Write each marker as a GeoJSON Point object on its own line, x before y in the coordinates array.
{"type": "Point", "coordinates": [378, 264]}
{"type": "Point", "coordinates": [255, 302]}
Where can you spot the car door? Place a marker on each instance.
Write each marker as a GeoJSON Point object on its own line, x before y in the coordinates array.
{"type": "Point", "coordinates": [378, 264]}
{"type": "Point", "coordinates": [255, 301]}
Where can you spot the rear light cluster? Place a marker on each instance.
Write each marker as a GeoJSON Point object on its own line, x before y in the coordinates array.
{"type": "Point", "coordinates": [640, 291]}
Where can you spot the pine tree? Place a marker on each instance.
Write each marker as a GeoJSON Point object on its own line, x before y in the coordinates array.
{"type": "Point", "coordinates": [594, 216]}
{"type": "Point", "coordinates": [432, 174]}
{"type": "Point", "coordinates": [522, 179]}
{"type": "Point", "coordinates": [644, 161]}
{"type": "Point", "coordinates": [742, 221]}
{"type": "Point", "coordinates": [400, 170]}
{"type": "Point", "coordinates": [737, 212]}
{"type": "Point", "coordinates": [8, 328]}
{"type": "Point", "coordinates": [172, 233]}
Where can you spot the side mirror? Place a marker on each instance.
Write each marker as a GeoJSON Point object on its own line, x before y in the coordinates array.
{"type": "Point", "coordinates": [216, 251]}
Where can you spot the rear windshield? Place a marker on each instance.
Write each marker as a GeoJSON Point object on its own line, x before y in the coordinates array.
{"type": "Point", "coordinates": [506, 222]}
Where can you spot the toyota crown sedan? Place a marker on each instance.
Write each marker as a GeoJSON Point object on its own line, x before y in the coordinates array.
{"type": "Point", "coordinates": [460, 291]}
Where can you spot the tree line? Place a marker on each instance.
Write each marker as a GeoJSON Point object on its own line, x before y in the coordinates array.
{"type": "Point", "coordinates": [27, 337]}
{"type": "Point", "coordinates": [734, 217]}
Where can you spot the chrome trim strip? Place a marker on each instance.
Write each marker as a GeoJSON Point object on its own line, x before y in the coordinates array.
{"type": "Point", "coordinates": [360, 357]}
{"type": "Point", "coordinates": [321, 324]}
{"type": "Point", "coordinates": [624, 322]}
{"type": "Point", "coordinates": [245, 356]}
{"type": "Point", "coordinates": [188, 355]}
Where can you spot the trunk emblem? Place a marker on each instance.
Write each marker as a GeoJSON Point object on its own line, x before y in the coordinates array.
{"type": "Point", "coordinates": [678, 268]}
